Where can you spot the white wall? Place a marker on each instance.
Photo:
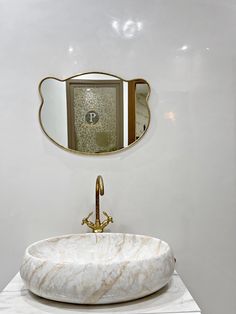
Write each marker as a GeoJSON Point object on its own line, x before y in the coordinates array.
{"type": "Point", "coordinates": [178, 183]}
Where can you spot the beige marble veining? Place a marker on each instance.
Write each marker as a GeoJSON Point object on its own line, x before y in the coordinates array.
{"type": "Point", "coordinates": [174, 298]}
{"type": "Point", "coordinates": [97, 268]}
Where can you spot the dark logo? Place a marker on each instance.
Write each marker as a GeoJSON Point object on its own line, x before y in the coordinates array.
{"type": "Point", "coordinates": [91, 117]}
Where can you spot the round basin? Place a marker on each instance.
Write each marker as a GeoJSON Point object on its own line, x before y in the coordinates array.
{"type": "Point", "coordinates": [97, 268]}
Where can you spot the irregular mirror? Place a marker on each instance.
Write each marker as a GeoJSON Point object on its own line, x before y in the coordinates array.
{"type": "Point", "coordinates": [94, 113]}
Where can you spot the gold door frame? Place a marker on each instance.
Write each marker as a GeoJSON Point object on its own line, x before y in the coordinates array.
{"type": "Point", "coordinates": [132, 109]}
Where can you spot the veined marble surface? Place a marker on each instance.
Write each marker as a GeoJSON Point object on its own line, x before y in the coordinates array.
{"type": "Point", "coordinates": [97, 268]}
{"type": "Point", "coordinates": [173, 298]}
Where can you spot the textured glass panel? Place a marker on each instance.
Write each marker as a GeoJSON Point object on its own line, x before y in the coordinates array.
{"type": "Point", "coordinates": [101, 136]}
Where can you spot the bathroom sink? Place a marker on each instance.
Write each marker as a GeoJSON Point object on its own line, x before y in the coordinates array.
{"type": "Point", "coordinates": [97, 268]}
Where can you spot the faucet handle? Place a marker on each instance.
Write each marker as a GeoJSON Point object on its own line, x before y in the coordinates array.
{"type": "Point", "coordinates": [86, 218]}
{"type": "Point", "coordinates": [109, 218]}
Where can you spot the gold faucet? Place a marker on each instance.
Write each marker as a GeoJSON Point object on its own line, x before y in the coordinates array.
{"type": "Point", "coordinates": [98, 226]}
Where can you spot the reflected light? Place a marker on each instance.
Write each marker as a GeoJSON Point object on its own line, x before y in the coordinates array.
{"type": "Point", "coordinates": [115, 25]}
{"type": "Point", "coordinates": [139, 26]}
{"type": "Point", "coordinates": [127, 29]}
{"type": "Point", "coordinates": [72, 52]}
{"type": "Point", "coordinates": [170, 116]}
{"type": "Point", "coordinates": [184, 47]}
{"type": "Point", "coordinates": [70, 49]}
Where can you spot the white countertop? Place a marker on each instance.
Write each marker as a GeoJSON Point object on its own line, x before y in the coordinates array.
{"type": "Point", "coordinates": [174, 298]}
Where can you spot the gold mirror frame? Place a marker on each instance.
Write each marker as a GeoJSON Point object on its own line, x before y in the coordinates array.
{"type": "Point", "coordinates": [85, 153]}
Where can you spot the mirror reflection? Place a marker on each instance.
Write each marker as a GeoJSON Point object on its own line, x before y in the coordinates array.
{"type": "Point", "coordinates": [94, 113]}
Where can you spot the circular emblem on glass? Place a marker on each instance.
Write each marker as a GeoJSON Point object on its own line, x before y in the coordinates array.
{"type": "Point", "coordinates": [92, 117]}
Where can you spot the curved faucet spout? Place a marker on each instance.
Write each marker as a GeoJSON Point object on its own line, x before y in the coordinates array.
{"type": "Point", "coordinates": [99, 190]}
{"type": "Point", "coordinates": [98, 226]}
{"type": "Point", "coordinates": [99, 185]}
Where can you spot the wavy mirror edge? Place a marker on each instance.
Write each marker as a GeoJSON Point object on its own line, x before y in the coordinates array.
{"type": "Point", "coordinates": [89, 153]}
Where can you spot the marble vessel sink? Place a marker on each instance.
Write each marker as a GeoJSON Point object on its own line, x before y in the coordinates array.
{"type": "Point", "coordinates": [97, 268]}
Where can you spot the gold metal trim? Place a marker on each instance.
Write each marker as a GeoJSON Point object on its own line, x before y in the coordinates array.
{"type": "Point", "coordinates": [98, 226]}
{"type": "Point", "coordinates": [84, 153]}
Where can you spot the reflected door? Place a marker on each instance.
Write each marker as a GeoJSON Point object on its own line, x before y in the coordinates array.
{"type": "Point", "coordinates": [95, 115]}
